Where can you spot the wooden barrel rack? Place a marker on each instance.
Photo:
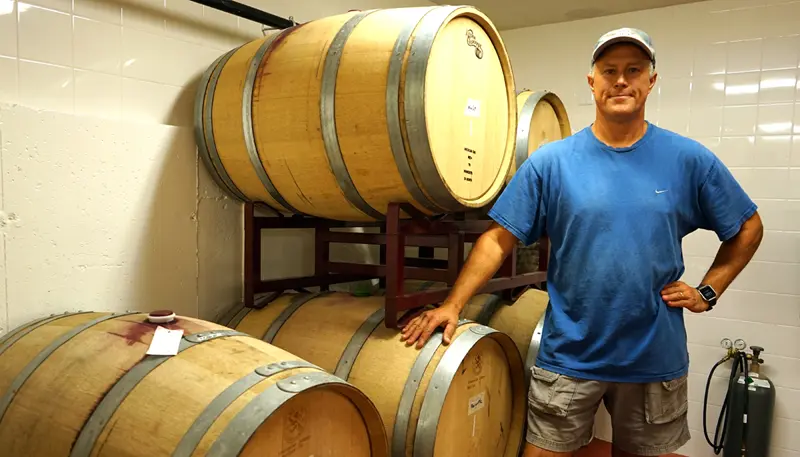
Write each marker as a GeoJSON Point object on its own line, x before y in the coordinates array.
{"type": "Point", "coordinates": [451, 231]}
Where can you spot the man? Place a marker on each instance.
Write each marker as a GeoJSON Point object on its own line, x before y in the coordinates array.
{"type": "Point", "coordinates": [615, 200]}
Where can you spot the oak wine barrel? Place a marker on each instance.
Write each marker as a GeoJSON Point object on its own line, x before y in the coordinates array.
{"type": "Point", "coordinates": [542, 119]}
{"type": "Point", "coordinates": [340, 116]}
{"type": "Point", "coordinates": [82, 384]}
{"type": "Point", "coordinates": [465, 398]}
{"type": "Point", "coordinates": [522, 319]}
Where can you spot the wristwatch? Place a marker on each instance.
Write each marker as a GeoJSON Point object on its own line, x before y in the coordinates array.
{"type": "Point", "coordinates": [709, 295]}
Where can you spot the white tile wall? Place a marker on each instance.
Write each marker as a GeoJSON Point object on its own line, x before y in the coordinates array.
{"type": "Point", "coordinates": [729, 77]}
{"type": "Point", "coordinates": [103, 202]}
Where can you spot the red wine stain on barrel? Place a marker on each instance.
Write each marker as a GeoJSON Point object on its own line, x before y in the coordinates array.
{"type": "Point", "coordinates": [135, 331]}
{"type": "Point", "coordinates": [262, 68]}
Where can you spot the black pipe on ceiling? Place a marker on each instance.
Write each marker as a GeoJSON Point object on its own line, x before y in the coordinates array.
{"type": "Point", "coordinates": [248, 12]}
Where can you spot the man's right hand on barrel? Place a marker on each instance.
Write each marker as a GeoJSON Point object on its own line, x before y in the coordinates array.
{"type": "Point", "coordinates": [422, 327]}
{"type": "Point", "coordinates": [485, 258]}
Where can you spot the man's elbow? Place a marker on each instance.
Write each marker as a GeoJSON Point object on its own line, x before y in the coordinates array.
{"type": "Point", "coordinates": [500, 237]}
{"type": "Point", "coordinates": [752, 231]}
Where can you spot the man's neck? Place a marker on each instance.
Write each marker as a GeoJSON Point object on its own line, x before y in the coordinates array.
{"type": "Point", "coordinates": [619, 133]}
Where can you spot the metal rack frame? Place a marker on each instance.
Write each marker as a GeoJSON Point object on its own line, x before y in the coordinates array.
{"type": "Point", "coordinates": [450, 232]}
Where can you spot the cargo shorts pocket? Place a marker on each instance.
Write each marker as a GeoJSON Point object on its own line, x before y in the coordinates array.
{"type": "Point", "coordinates": [666, 401]}
{"type": "Point", "coordinates": [551, 393]}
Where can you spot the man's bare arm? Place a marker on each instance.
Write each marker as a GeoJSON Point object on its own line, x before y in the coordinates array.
{"type": "Point", "coordinates": [484, 260]}
{"type": "Point", "coordinates": [734, 254]}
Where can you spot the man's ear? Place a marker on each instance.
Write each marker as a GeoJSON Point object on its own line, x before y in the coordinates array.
{"type": "Point", "coordinates": [590, 80]}
{"type": "Point", "coordinates": [653, 79]}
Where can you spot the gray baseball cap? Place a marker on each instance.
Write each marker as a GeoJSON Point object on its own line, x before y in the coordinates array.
{"type": "Point", "coordinates": [625, 35]}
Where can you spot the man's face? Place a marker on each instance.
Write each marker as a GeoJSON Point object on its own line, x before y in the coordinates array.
{"type": "Point", "coordinates": [621, 81]}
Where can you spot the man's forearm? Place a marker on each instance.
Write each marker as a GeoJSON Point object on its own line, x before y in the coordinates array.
{"type": "Point", "coordinates": [484, 260]}
{"type": "Point", "coordinates": [733, 255]}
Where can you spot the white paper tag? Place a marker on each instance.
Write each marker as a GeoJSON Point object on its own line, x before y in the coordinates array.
{"type": "Point", "coordinates": [165, 342]}
{"type": "Point", "coordinates": [477, 403]}
{"type": "Point", "coordinates": [473, 108]}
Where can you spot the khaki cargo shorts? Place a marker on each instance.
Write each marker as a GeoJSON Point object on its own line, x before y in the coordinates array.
{"type": "Point", "coordinates": [647, 419]}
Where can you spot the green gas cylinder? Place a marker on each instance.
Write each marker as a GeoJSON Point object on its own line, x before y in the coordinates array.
{"type": "Point", "coordinates": [748, 432]}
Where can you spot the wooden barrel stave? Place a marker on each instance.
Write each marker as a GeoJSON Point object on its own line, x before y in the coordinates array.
{"type": "Point", "coordinates": [418, 393]}
{"type": "Point", "coordinates": [203, 131]}
{"type": "Point", "coordinates": [522, 320]}
{"type": "Point", "coordinates": [542, 119]}
{"type": "Point", "coordinates": [368, 87]}
{"type": "Point", "coordinates": [433, 71]}
{"type": "Point", "coordinates": [81, 385]}
{"type": "Point", "coordinates": [341, 118]}
{"type": "Point", "coordinates": [231, 122]}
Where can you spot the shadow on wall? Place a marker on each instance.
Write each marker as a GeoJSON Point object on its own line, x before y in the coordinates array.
{"type": "Point", "coordinates": [190, 251]}
{"type": "Point", "coordinates": [191, 248]}
{"type": "Point", "coordinates": [166, 275]}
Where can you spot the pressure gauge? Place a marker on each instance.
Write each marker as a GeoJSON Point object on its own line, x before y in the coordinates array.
{"type": "Point", "coordinates": [726, 343]}
{"type": "Point", "coordinates": [740, 345]}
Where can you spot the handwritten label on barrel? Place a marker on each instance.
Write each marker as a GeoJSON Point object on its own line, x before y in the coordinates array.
{"type": "Point", "coordinates": [473, 108]}
{"type": "Point", "coordinates": [477, 403]}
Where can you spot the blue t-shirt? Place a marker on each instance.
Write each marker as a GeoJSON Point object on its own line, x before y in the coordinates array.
{"type": "Point", "coordinates": [615, 218]}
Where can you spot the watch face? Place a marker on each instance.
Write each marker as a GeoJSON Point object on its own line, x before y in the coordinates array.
{"type": "Point", "coordinates": [707, 292]}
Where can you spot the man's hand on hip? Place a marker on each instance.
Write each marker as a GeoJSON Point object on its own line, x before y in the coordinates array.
{"type": "Point", "coordinates": [421, 327]}
{"type": "Point", "coordinates": [681, 295]}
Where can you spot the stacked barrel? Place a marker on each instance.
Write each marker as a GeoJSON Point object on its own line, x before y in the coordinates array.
{"type": "Point", "coordinates": [338, 117]}
{"type": "Point", "coordinates": [307, 374]}
{"type": "Point", "coordinates": [465, 398]}
{"type": "Point", "coordinates": [335, 118]}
